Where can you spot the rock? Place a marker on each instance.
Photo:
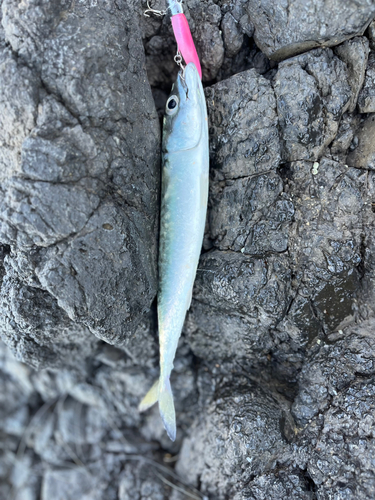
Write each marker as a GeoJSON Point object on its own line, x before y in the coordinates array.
{"type": "Point", "coordinates": [245, 106]}
{"type": "Point", "coordinates": [327, 262]}
{"type": "Point", "coordinates": [237, 299]}
{"type": "Point", "coordinates": [366, 99]}
{"type": "Point", "coordinates": [80, 184]}
{"type": "Point", "coordinates": [366, 302]}
{"type": "Point", "coordinates": [238, 437]}
{"type": "Point", "coordinates": [18, 109]}
{"type": "Point", "coordinates": [26, 484]}
{"type": "Point", "coordinates": [346, 435]}
{"type": "Point", "coordinates": [288, 28]}
{"type": "Point", "coordinates": [371, 34]}
{"type": "Point", "coordinates": [243, 169]}
{"type": "Point", "coordinates": [266, 223]}
{"type": "Point", "coordinates": [345, 135]}
{"type": "Point", "coordinates": [312, 92]}
{"type": "Point", "coordinates": [354, 53]}
{"type": "Point", "coordinates": [70, 484]}
{"type": "Point", "coordinates": [139, 481]}
{"type": "Point", "coordinates": [336, 400]}
{"type": "Point", "coordinates": [207, 35]}
{"type": "Point", "coordinates": [231, 35]}
{"type": "Point", "coordinates": [293, 484]}
{"type": "Point", "coordinates": [38, 331]}
{"type": "Point", "coordinates": [347, 356]}
{"type": "Point", "coordinates": [363, 155]}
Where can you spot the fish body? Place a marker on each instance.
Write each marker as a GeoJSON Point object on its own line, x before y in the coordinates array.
{"type": "Point", "coordinates": [185, 164]}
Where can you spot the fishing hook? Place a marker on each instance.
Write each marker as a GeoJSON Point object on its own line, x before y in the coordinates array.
{"type": "Point", "coordinates": [159, 13]}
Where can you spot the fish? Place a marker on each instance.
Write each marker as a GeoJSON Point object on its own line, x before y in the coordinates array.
{"type": "Point", "coordinates": [185, 169]}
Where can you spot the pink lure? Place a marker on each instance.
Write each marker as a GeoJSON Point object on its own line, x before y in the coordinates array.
{"type": "Point", "coordinates": [185, 41]}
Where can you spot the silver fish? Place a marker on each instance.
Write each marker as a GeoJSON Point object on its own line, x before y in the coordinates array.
{"type": "Point", "coordinates": [183, 214]}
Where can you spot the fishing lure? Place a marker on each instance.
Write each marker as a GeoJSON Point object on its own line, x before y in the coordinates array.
{"type": "Point", "coordinates": [185, 162]}
{"type": "Point", "coordinates": [181, 30]}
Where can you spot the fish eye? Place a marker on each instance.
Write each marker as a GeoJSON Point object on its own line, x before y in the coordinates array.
{"type": "Point", "coordinates": [172, 105]}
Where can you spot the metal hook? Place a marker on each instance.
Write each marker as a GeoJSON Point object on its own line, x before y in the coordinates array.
{"type": "Point", "coordinates": [178, 60]}
{"type": "Point", "coordinates": [159, 13]}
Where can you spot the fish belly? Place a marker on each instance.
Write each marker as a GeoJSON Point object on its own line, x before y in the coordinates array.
{"type": "Point", "coordinates": [183, 214]}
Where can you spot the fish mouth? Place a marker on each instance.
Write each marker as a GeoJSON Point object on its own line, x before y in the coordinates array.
{"type": "Point", "coordinates": [188, 78]}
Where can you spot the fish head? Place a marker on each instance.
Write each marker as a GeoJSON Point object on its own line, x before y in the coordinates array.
{"type": "Point", "coordinates": [184, 112]}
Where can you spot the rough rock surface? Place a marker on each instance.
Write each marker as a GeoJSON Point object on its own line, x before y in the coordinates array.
{"type": "Point", "coordinates": [366, 100]}
{"type": "Point", "coordinates": [363, 155]}
{"type": "Point", "coordinates": [354, 53]}
{"type": "Point", "coordinates": [312, 93]}
{"type": "Point", "coordinates": [79, 188]}
{"type": "Point", "coordinates": [274, 375]}
{"type": "Point", "coordinates": [284, 29]}
{"type": "Point", "coordinates": [337, 401]}
{"type": "Point", "coordinates": [232, 432]}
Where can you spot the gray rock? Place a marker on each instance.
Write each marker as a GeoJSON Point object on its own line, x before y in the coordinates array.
{"type": "Point", "coordinates": [25, 484]}
{"type": "Point", "coordinates": [141, 482]}
{"type": "Point", "coordinates": [355, 54]}
{"type": "Point", "coordinates": [238, 437]}
{"type": "Point", "coordinates": [293, 484]}
{"type": "Point", "coordinates": [345, 357]}
{"type": "Point", "coordinates": [243, 169]}
{"type": "Point", "coordinates": [346, 435]}
{"type": "Point", "coordinates": [241, 221]}
{"type": "Point", "coordinates": [366, 302]}
{"type": "Point", "coordinates": [18, 109]}
{"type": "Point", "coordinates": [71, 484]}
{"type": "Point", "coordinates": [38, 331]}
{"type": "Point", "coordinates": [244, 107]}
{"type": "Point", "coordinates": [336, 400]}
{"type": "Point", "coordinates": [345, 135]}
{"type": "Point", "coordinates": [231, 35]}
{"type": "Point", "coordinates": [371, 34]}
{"type": "Point", "coordinates": [312, 93]}
{"type": "Point", "coordinates": [205, 22]}
{"type": "Point", "coordinates": [366, 99]}
{"type": "Point", "coordinates": [79, 191]}
{"type": "Point", "coordinates": [363, 154]}
{"type": "Point", "coordinates": [327, 261]}
{"type": "Point", "coordinates": [288, 28]}
{"type": "Point", "coordinates": [237, 299]}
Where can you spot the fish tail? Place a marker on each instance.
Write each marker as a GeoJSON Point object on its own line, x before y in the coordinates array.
{"type": "Point", "coordinates": [166, 408]}
{"type": "Point", "coordinates": [161, 391]}
{"type": "Point", "coordinates": [151, 397]}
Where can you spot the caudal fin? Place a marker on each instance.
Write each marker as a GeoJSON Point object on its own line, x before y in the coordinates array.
{"type": "Point", "coordinates": [151, 397]}
{"type": "Point", "coordinates": [162, 392]}
{"type": "Point", "coordinates": [166, 408]}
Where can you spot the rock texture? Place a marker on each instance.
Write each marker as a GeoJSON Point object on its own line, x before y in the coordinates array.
{"type": "Point", "coordinates": [79, 191]}
{"type": "Point", "coordinates": [366, 101]}
{"type": "Point", "coordinates": [287, 28]}
{"type": "Point", "coordinates": [274, 375]}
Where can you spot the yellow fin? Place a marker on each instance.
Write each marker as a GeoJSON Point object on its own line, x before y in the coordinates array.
{"type": "Point", "coordinates": [151, 397]}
